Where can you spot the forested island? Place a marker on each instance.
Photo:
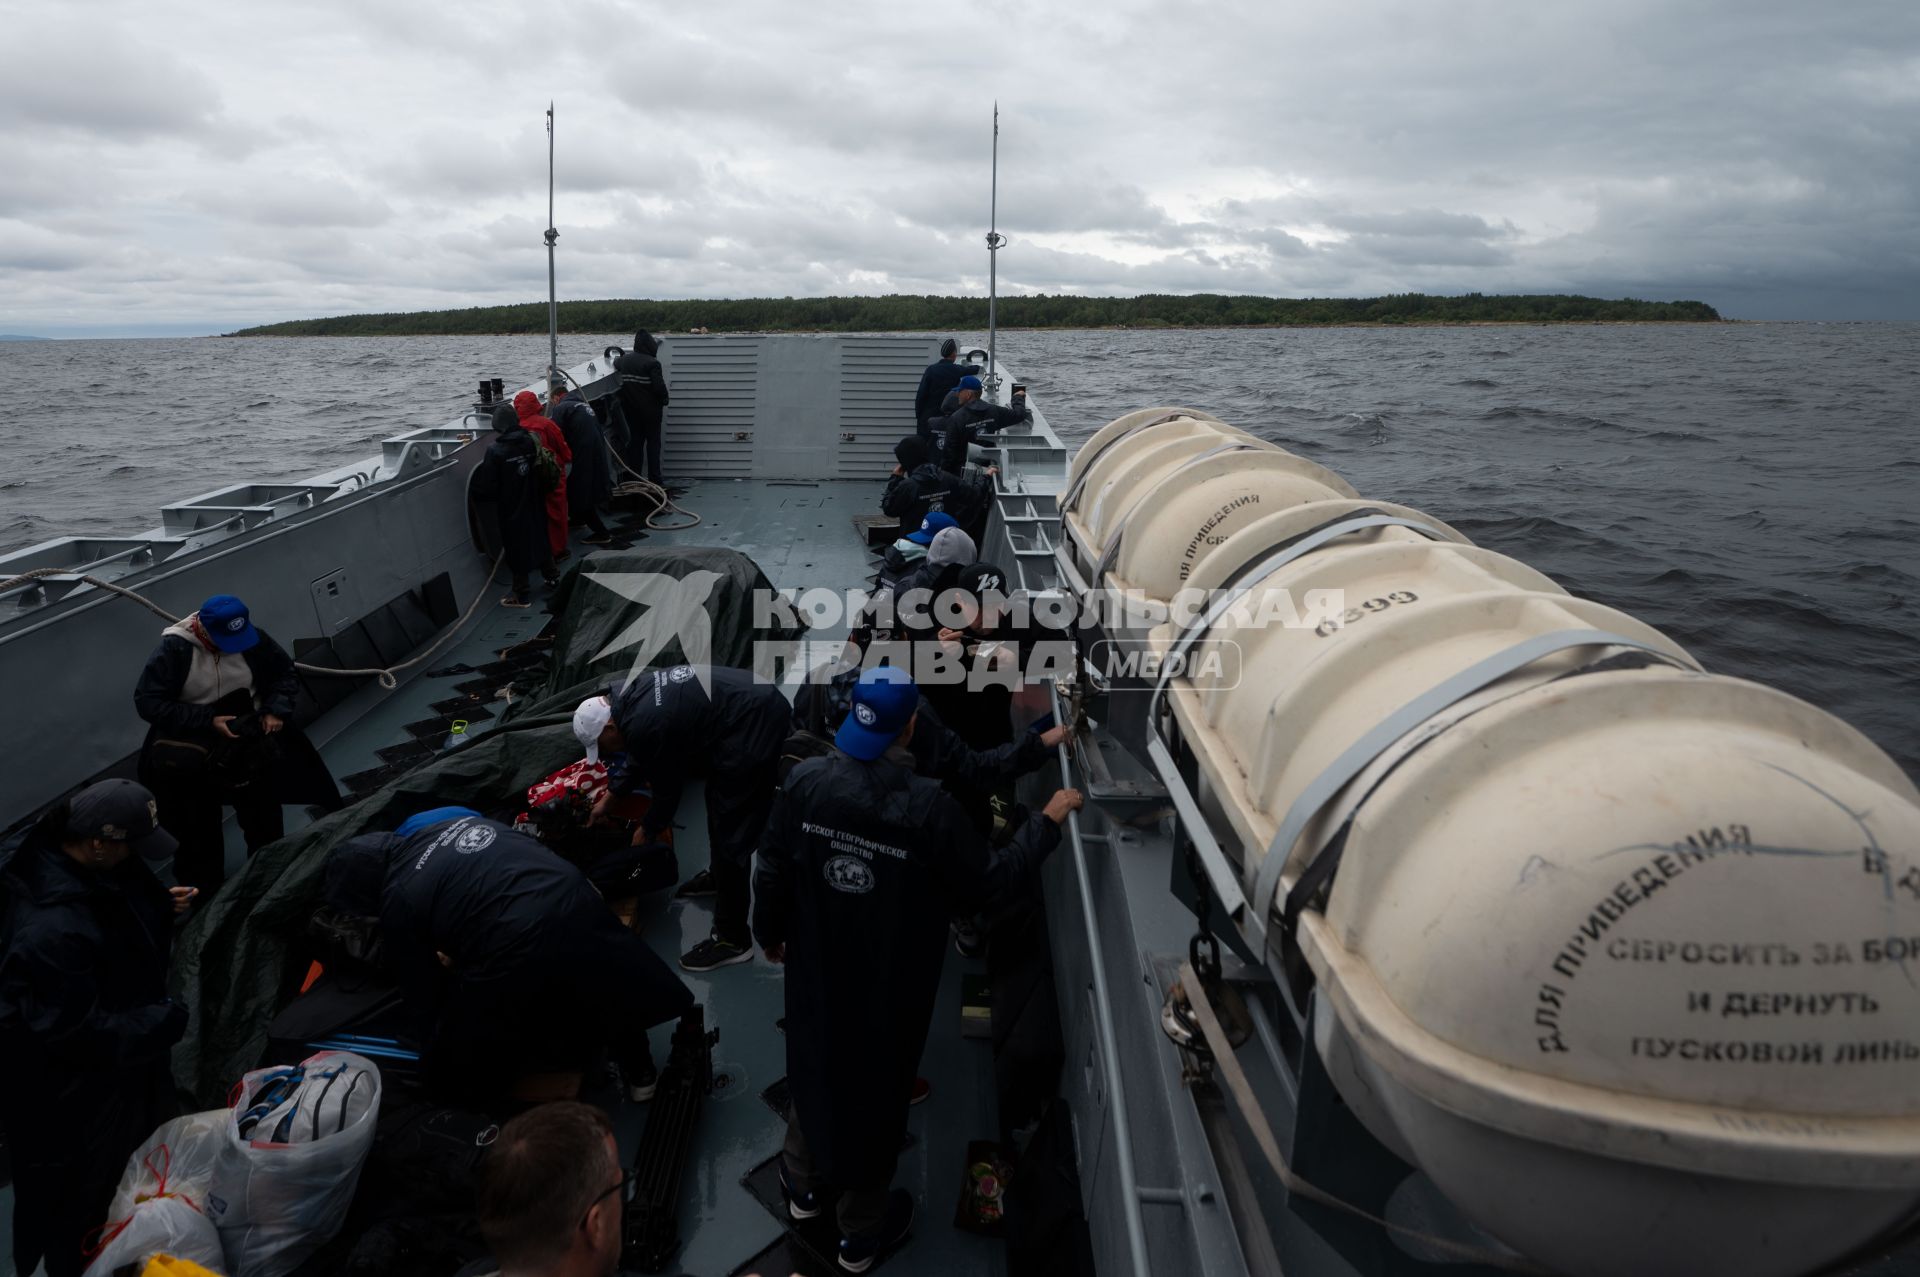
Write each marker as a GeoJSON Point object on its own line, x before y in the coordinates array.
{"type": "Point", "coordinates": [905, 313]}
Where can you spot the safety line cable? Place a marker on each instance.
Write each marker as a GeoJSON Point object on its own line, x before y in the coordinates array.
{"type": "Point", "coordinates": [385, 676]}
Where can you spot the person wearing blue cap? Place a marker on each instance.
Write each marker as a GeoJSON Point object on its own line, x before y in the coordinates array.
{"type": "Point", "coordinates": [861, 866]}
{"type": "Point", "coordinates": [86, 1025]}
{"type": "Point", "coordinates": [218, 694]}
{"type": "Point", "coordinates": [965, 416]}
{"type": "Point", "coordinates": [938, 381]}
{"type": "Point", "coordinates": [910, 551]}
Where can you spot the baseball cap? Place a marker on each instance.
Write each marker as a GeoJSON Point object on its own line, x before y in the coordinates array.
{"type": "Point", "coordinates": [931, 526]}
{"type": "Point", "coordinates": [226, 622]}
{"type": "Point", "coordinates": [969, 382]}
{"type": "Point", "coordinates": [121, 811]}
{"type": "Point", "coordinates": [884, 701]}
{"type": "Point", "coordinates": [589, 721]}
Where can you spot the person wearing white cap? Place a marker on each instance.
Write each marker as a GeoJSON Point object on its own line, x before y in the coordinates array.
{"type": "Point", "coordinates": [86, 1025]}
{"type": "Point", "coordinates": [681, 723]}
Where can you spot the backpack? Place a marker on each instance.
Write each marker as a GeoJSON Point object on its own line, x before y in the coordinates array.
{"type": "Point", "coordinates": [546, 467]}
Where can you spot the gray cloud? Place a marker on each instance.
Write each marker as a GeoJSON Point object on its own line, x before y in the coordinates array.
{"type": "Point", "coordinates": [207, 173]}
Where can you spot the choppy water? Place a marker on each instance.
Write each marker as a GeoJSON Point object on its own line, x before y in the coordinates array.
{"type": "Point", "coordinates": [1754, 490]}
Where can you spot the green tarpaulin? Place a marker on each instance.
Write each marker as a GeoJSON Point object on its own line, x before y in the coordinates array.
{"type": "Point", "coordinates": [239, 960]}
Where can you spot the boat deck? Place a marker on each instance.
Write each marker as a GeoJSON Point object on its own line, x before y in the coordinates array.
{"type": "Point", "coordinates": [802, 535]}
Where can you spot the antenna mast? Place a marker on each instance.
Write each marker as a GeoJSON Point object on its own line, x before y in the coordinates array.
{"type": "Point", "coordinates": [553, 237]}
{"type": "Point", "coordinates": [994, 240]}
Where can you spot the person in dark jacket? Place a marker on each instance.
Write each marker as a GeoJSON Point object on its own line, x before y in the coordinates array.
{"type": "Point", "coordinates": [86, 1025]}
{"type": "Point", "coordinates": [510, 963]}
{"type": "Point", "coordinates": [910, 551]}
{"type": "Point", "coordinates": [902, 497]}
{"type": "Point", "coordinates": [970, 417]}
{"type": "Point", "coordinates": [219, 696]}
{"type": "Point", "coordinates": [643, 400]}
{"type": "Point", "coordinates": [941, 376]}
{"type": "Point", "coordinates": [590, 481]}
{"type": "Point", "coordinates": [508, 479]}
{"type": "Point", "coordinates": [824, 699]}
{"type": "Point", "coordinates": [965, 497]}
{"type": "Point", "coordinates": [862, 865]}
{"type": "Point", "coordinates": [714, 722]}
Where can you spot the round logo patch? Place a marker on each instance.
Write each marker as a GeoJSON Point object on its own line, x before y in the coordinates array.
{"type": "Point", "coordinates": [473, 838]}
{"type": "Point", "coordinates": [849, 874]}
{"type": "Point", "coordinates": [865, 715]}
{"type": "Point", "coordinates": [237, 624]}
{"type": "Point", "coordinates": [680, 673]}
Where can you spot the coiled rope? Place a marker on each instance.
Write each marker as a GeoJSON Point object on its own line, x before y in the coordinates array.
{"type": "Point", "coordinates": [639, 484]}
{"type": "Point", "coordinates": [385, 676]}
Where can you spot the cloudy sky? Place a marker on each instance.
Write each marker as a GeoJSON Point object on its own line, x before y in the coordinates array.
{"type": "Point", "coordinates": [193, 166]}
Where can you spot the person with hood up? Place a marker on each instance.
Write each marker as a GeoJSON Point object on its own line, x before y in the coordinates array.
{"type": "Point", "coordinates": [919, 483]}
{"type": "Point", "coordinates": [218, 694]}
{"type": "Point", "coordinates": [937, 382]}
{"type": "Point", "coordinates": [508, 476]}
{"type": "Point", "coordinates": [862, 864]}
{"type": "Point", "coordinates": [86, 1026]}
{"type": "Point", "coordinates": [509, 962]}
{"type": "Point", "coordinates": [715, 722]}
{"type": "Point", "coordinates": [643, 401]}
{"type": "Point", "coordinates": [966, 416]}
{"type": "Point", "coordinates": [590, 482]}
{"type": "Point", "coordinates": [526, 405]}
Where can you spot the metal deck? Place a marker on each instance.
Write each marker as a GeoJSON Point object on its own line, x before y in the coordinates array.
{"type": "Point", "coordinates": [802, 535]}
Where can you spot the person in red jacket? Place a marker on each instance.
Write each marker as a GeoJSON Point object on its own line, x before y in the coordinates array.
{"type": "Point", "coordinates": [554, 440]}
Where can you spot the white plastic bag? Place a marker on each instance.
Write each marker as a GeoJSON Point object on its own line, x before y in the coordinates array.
{"type": "Point", "coordinates": [169, 1225]}
{"type": "Point", "coordinates": [282, 1188]}
{"type": "Point", "coordinates": [179, 1157]}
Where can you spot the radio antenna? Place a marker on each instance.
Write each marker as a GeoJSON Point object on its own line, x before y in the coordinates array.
{"type": "Point", "coordinates": [553, 238]}
{"type": "Point", "coordinates": [994, 240]}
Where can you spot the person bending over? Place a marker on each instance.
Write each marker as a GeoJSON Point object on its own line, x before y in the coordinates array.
{"type": "Point", "coordinates": [510, 963]}
{"type": "Point", "coordinates": [714, 722]}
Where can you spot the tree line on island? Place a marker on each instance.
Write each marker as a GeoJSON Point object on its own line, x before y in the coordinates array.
{"type": "Point", "coordinates": [906, 313]}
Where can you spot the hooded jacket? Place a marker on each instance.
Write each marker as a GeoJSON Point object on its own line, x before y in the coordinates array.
{"type": "Point", "coordinates": [936, 488]}
{"type": "Point", "coordinates": [936, 383]}
{"type": "Point", "coordinates": [85, 1022]}
{"type": "Point", "coordinates": [590, 482]}
{"type": "Point", "coordinates": [526, 405]}
{"type": "Point", "coordinates": [860, 868]}
{"type": "Point", "coordinates": [643, 383]}
{"type": "Point", "coordinates": [505, 477]}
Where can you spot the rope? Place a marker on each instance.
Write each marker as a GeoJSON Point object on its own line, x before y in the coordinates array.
{"type": "Point", "coordinates": [640, 485]}
{"type": "Point", "coordinates": [385, 676]}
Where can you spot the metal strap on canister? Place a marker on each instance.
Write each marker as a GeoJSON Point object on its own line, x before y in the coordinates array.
{"type": "Point", "coordinates": [1071, 497]}
{"type": "Point", "coordinates": [1241, 583]}
{"type": "Point", "coordinates": [1358, 756]}
{"type": "Point", "coordinates": [1112, 553]}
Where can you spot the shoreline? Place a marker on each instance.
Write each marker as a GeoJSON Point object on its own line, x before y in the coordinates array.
{"type": "Point", "coordinates": [1059, 328]}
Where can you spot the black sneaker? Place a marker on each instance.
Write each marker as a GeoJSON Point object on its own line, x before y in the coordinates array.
{"type": "Point", "coordinates": [701, 884]}
{"type": "Point", "coordinates": [858, 1253]}
{"type": "Point", "coordinates": [799, 1205]}
{"type": "Point", "coordinates": [596, 539]}
{"type": "Point", "coordinates": [713, 953]}
{"type": "Point", "coordinates": [642, 1080]}
{"type": "Point", "coordinates": [967, 940]}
